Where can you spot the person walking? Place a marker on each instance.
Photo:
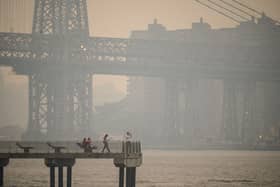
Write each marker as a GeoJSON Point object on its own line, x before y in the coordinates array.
{"type": "Point", "coordinates": [106, 144]}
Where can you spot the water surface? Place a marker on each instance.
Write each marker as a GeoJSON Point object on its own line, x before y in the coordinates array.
{"type": "Point", "coordinates": [163, 169]}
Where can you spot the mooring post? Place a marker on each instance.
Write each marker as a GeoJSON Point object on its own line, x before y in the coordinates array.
{"type": "Point", "coordinates": [69, 176]}
{"type": "Point", "coordinates": [60, 176]}
{"type": "Point", "coordinates": [52, 176]}
{"type": "Point", "coordinates": [3, 162]}
{"type": "Point", "coordinates": [121, 176]}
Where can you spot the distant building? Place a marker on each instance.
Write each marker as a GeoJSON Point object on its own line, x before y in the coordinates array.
{"type": "Point", "coordinates": [198, 115]}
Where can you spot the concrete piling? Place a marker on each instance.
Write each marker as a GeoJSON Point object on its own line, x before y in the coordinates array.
{"type": "Point", "coordinates": [52, 176]}
{"type": "Point", "coordinates": [60, 176]}
{"type": "Point", "coordinates": [69, 176]}
{"type": "Point", "coordinates": [60, 163]}
{"type": "Point", "coordinates": [130, 176]}
{"type": "Point", "coordinates": [3, 162]}
{"type": "Point", "coordinates": [121, 176]}
{"type": "Point", "coordinates": [1, 176]}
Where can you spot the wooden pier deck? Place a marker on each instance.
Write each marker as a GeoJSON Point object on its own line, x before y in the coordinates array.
{"type": "Point", "coordinates": [125, 155]}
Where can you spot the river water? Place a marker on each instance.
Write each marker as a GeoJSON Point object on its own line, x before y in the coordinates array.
{"type": "Point", "coordinates": [163, 169]}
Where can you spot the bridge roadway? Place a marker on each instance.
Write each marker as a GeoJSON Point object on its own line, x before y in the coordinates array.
{"type": "Point", "coordinates": [63, 154]}
{"type": "Point", "coordinates": [30, 53]}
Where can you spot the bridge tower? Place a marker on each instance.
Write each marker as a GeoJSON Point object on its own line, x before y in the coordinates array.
{"type": "Point", "coordinates": [60, 96]}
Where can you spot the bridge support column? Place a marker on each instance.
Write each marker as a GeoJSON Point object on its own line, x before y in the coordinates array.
{"type": "Point", "coordinates": [59, 102]}
{"type": "Point", "coordinates": [171, 110]}
{"type": "Point", "coordinates": [230, 124]}
{"type": "Point", "coordinates": [60, 163]}
{"type": "Point", "coordinates": [248, 126]}
{"type": "Point", "coordinates": [239, 111]}
{"type": "Point", "coordinates": [3, 162]}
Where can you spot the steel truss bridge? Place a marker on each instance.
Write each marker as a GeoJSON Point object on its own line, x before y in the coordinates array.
{"type": "Point", "coordinates": [59, 58]}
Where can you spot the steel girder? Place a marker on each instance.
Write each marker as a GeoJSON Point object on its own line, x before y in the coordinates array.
{"type": "Point", "coordinates": [60, 106]}
{"type": "Point", "coordinates": [138, 57]}
{"type": "Point", "coordinates": [53, 17]}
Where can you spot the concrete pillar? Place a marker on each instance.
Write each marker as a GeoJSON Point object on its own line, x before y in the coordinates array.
{"type": "Point", "coordinates": [69, 176]}
{"type": "Point", "coordinates": [3, 162]}
{"type": "Point", "coordinates": [60, 176]}
{"type": "Point", "coordinates": [133, 176]}
{"type": "Point", "coordinates": [52, 176]}
{"type": "Point", "coordinates": [60, 163]}
{"type": "Point", "coordinates": [127, 174]}
{"type": "Point", "coordinates": [1, 176]}
{"type": "Point", "coordinates": [121, 176]}
{"type": "Point", "coordinates": [130, 176]}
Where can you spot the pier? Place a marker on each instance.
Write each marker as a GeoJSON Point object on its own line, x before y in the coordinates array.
{"type": "Point", "coordinates": [125, 155]}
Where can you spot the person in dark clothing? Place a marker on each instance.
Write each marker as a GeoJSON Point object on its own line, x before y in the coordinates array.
{"type": "Point", "coordinates": [84, 142]}
{"type": "Point", "coordinates": [105, 142]}
{"type": "Point", "coordinates": [88, 143]}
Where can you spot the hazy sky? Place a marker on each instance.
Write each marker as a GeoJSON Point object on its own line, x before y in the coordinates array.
{"type": "Point", "coordinates": [116, 18]}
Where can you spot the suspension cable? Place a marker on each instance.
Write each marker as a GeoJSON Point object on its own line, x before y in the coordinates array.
{"type": "Point", "coordinates": [220, 12]}
{"type": "Point", "coordinates": [239, 9]}
{"type": "Point", "coordinates": [234, 13]}
{"type": "Point", "coordinates": [245, 6]}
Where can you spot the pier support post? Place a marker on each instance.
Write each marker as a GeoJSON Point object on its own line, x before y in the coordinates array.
{"type": "Point", "coordinates": [3, 162]}
{"type": "Point", "coordinates": [130, 176]}
{"type": "Point", "coordinates": [69, 176]}
{"type": "Point", "coordinates": [1, 176]}
{"type": "Point", "coordinates": [60, 176]}
{"type": "Point", "coordinates": [52, 176]}
{"type": "Point", "coordinates": [129, 161]}
{"type": "Point", "coordinates": [121, 176]}
{"type": "Point", "coordinates": [127, 181]}
{"type": "Point", "coordinates": [60, 163]}
{"type": "Point", "coordinates": [133, 176]}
